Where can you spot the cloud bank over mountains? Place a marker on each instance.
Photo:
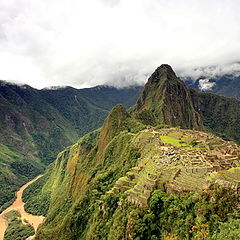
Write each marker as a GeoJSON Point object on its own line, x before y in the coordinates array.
{"type": "Point", "coordinates": [116, 42]}
{"type": "Point", "coordinates": [205, 75]}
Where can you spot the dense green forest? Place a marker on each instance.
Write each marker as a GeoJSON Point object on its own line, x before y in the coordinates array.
{"type": "Point", "coordinates": [37, 199]}
{"type": "Point", "coordinates": [16, 230]}
{"type": "Point", "coordinates": [15, 170]}
{"type": "Point", "coordinates": [210, 215]}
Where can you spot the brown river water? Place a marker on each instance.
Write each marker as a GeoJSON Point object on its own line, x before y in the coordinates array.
{"type": "Point", "coordinates": [18, 205]}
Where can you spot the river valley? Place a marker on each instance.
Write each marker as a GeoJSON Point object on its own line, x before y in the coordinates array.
{"type": "Point", "coordinates": [18, 205]}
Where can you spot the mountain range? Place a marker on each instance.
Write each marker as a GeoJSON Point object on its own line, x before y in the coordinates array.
{"type": "Point", "coordinates": [227, 84]}
{"type": "Point", "coordinates": [163, 169]}
{"type": "Point", "coordinates": [36, 124]}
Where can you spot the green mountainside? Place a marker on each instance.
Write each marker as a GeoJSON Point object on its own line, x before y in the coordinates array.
{"type": "Point", "coordinates": [220, 115]}
{"type": "Point", "coordinates": [138, 178]}
{"type": "Point", "coordinates": [95, 200]}
{"type": "Point", "coordinates": [15, 169]}
{"type": "Point", "coordinates": [36, 124]}
{"type": "Point", "coordinates": [167, 100]}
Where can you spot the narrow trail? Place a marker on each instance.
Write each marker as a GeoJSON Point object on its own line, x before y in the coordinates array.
{"type": "Point", "coordinates": [18, 205]}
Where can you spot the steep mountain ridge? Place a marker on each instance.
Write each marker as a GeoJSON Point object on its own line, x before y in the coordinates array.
{"type": "Point", "coordinates": [111, 127]}
{"type": "Point", "coordinates": [87, 202]}
{"type": "Point", "coordinates": [120, 196]}
{"type": "Point", "coordinates": [37, 124]}
{"type": "Point", "coordinates": [167, 99]}
{"type": "Point", "coordinates": [79, 166]}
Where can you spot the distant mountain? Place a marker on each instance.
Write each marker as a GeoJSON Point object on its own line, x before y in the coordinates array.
{"type": "Point", "coordinates": [227, 85]}
{"type": "Point", "coordinates": [148, 173]}
{"type": "Point", "coordinates": [36, 124]}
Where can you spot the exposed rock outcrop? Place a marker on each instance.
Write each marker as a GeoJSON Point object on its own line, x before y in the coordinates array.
{"type": "Point", "coordinates": [166, 99]}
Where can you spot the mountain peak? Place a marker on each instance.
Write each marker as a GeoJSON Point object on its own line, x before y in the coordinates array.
{"type": "Point", "coordinates": [165, 99]}
{"type": "Point", "coordinates": [165, 68]}
{"type": "Point", "coordinates": [163, 73]}
{"type": "Point", "coordinates": [112, 125]}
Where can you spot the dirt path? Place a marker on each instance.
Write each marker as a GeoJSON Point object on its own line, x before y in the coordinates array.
{"type": "Point", "coordinates": [19, 206]}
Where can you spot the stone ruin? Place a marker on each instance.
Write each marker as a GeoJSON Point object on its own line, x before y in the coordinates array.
{"type": "Point", "coordinates": [178, 169]}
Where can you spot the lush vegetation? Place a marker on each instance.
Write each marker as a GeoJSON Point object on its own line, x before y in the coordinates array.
{"type": "Point", "coordinates": [194, 215]}
{"type": "Point", "coordinates": [15, 170]}
{"type": "Point", "coordinates": [83, 205]}
{"type": "Point", "coordinates": [35, 125]}
{"type": "Point", "coordinates": [36, 198]}
{"type": "Point", "coordinates": [210, 215]}
{"type": "Point", "coordinates": [92, 173]}
{"type": "Point", "coordinates": [78, 195]}
{"type": "Point", "coordinates": [16, 230]}
{"type": "Point", "coordinates": [220, 115]}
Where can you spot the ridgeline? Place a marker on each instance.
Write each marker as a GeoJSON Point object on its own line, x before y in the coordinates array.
{"type": "Point", "coordinates": [153, 172]}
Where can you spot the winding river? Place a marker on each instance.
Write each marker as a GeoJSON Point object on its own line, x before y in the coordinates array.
{"type": "Point", "coordinates": [18, 205]}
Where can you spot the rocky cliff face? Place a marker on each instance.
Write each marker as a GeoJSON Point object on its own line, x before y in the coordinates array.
{"type": "Point", "coordinates": [167, 100]}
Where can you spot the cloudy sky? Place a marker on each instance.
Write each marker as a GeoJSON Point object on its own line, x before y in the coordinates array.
{"type": "Point", "coordinates": [120, 42]}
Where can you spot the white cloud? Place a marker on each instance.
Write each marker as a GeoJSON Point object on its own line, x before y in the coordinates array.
{"type": "Point", "coordinates": [211, 72]}
{"type": "Point", "coordinates": [86, 43]}
{"type": "Point", "coordinates": [205, 85]}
